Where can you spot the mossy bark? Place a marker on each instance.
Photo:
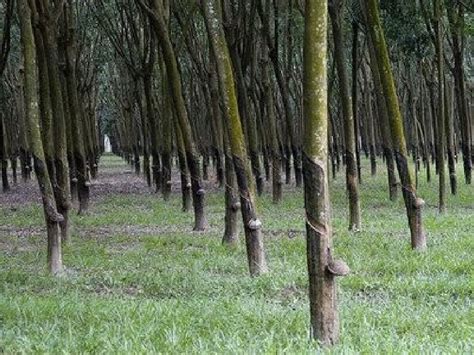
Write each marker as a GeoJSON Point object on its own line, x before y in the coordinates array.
{"type": "Point", "coordinates": [413, 203]}
{"type": "Point", "coordinates": [441, 114]}
{"type": "Point", "coordinates": [384, 125]}
{"type": "Point", "coordinates": [32, 114]}
{"type": "Point", "coordinates": [352, 184]}
{"type": "Point", "coordinates": [46, 111]}
{"type": "Point", "coordinates": [456, 23]}
{"type": "Point", "coordinates": [192, 157]}
{"type": "Point", "coordinates": [218, 130]}
{"type": "Point", "coordinates": [449, 128]}
{"type": "Point", "coordinates": [75, 118]}
{"type": "Point", "coordinates": [355, 94]}
{"type": "Point", "coordinates": [232, 204]}
{"type": "Point", "coordinates": [252, 225]}
{"type": "Point", "coordinates": [61, 187]}
{"type": "Point", "coordinates": [322, 287]}
{"type": "Point", "coordinates": [249, 119]}
{"type": "Point", "coordinates": [292, 147]}
{"type": "Point", "coordinates": [167, 127]}
{"type": "Point", "coordinates": [274, 146]}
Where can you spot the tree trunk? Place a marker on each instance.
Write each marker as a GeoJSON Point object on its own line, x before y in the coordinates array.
{"type": "Point", "coordinates": [456, 23]}
{"type": "Point", "coordinates": [192, 157]}
{"type": "Point", "coordinates": [52, 217]}
{"type": "Point", "coordinates": [80, 160]}
{"type": "Point", "coordinates": [449, 128]}
{"type": "Point", "coordinates": [183, 169]}
{"type": "Point", "coordinates": [252, 225]}
{"type": "Point", "coordinates": [3, 157]}
{"type": "Point", "coordinates": [441, 137]}
{"type": "Point", "coordinates": [275, 148]}
{"type": "Point", "coordinates": [62, 188]}
{"type": "Point", "coordinates": [355, 91]}
{"type": "Point", "coordinates": [322, 286]}
{"type": "Point", "coordinates": [232, 204]}
{"type": "Point", "coordinates": [335, 12]}
{"type": "Point", "coordinates": [413, 203]}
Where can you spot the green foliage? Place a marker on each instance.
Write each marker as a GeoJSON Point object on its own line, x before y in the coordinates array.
{"type": "Point", "coordinates": [469, 29]}
{"type": "Point", "coordinates": [405, 29]}
{"type": "Point", "coordinates": [131, 289]}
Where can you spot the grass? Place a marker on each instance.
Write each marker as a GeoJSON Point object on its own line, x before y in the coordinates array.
{"type": "Point", "coordinates": [168, 290]}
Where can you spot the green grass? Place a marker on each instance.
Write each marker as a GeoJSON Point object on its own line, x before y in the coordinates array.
{"type": "Point", "coordinates": [170, 290]}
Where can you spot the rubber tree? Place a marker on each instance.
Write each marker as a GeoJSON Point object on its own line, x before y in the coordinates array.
{"type": "Point", "coordinates": [3, 155]}
{"type": "Point", "coordinates": [75, 117]}
{"type": "Point", "coordinates": [52, 217]}
{"type": "Point", "coordinates": [413, 204]}
{"type": "Point", "coordinates": [232, 204]}
{"type": "Point", "coordinates": [272, 43]}
{"type": "Point", "coordinates": [273, 133]}
{"type": "Point", "coordinates": [439, 47]}
{"type": "Point", "coordinates": [322, 269]}
{"type": "Point", "coordinates": [48, 16]}
{"type": "Point", "coordinates": [5, 41]}
{"type": "Point", "coordinates": [252, 225]}
{"type": "Point", "coordinates": [45, 105]}
{"type": "Point", "coordinates": [455, 10]}
{"type": "Point", "coordinates": [352, 185]}
{"type": "Point", "coordinates": [155, 11]}
{"type": "Point", "coordinates": [384, 126]}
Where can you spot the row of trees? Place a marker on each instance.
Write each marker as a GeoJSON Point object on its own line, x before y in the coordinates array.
{"type": "Point", "coordinates": [239, 88]}
{"type": "Point", "coordinates": [266, 58]}
{"type": "Point", "coordinates": [49, 121]}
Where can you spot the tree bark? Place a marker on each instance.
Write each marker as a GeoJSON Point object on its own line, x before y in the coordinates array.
{"type": "Point", "coordinates": [335, 12]}
{"type": "Point", "coordinates": [322, 286]}
{"type": "Point", "coordinates": [413, 203]}
{"type": "Point", "coordinates": [252, 225]}
{"type": "Point", "coordinates": [441, 137]}
{"type": "Point", "coordinates": [159, 25]}
{"type": "Point", "coordinates": [456, 23]}
{"type": "Point", "coordinates": [52, 217]}
{"type": "Point", "coordinates": [61, 187]}
{"type": "Point", "coordinates": [80, 160]}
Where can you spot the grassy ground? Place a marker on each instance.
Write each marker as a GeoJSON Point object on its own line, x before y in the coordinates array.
{"type": "Point", "coordinates": [139, 281]}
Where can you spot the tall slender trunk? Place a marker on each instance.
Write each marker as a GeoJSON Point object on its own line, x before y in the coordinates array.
{"type": "Point", "coordinates": [80, 160]}
{"type": "Point", "coordinates": [335, 12]}
{"type": "Point", "coordinates": [449, 128]}
{"type": "Point", "coordinates": [249, 119]}
{"type": "Point", "coordinates": [46, 110]}
{"type": "Point", "coordinates": [232, 204]}
{"type": "Point", "coordinates": [62, 188]}
{"type": "Point", "coordinates": [218, 130]}
{"type": "Point", "coordinates": [413, 203]}
{"type": "Point", "coordinates": [252, 225]}
{"type": "Point", "coordinates": [3, 156]}
{"type": "Point", "coordinates": [456, 23]}
{"type": "Point", "coordinates": [441, 107]}
{"type": "Point", "coordinates": [159, 25]}
{"type": "Point", "coordinates": [355, 91]}
{"type": "Point", "coordinates": [183, 170]}
{"type": "Point", "coordinates": [371, 124]}
{"type": "Point", "coordinates": [52, 217]}
{"type": "Point", "coordinates": [154, 131]}
{"type": "Point", "coordinates": [322, 269]}
{"type": "Point", "coordinates": [274, 146]}
{"type": "Point", "coordinates": [291, 147]}
{"type": "Point", "coordinates": [167, 127]}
